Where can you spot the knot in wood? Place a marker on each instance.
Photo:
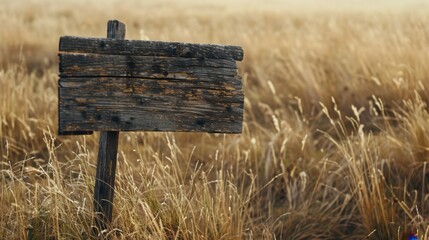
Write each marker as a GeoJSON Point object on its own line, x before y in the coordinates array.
{"type": "Point", "coordinates": [184, 51]}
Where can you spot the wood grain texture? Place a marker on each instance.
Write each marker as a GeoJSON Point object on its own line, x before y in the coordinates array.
{"type": "Point", "coordinates": [122, 85]}
{"type": "Point", "coordinates": [104, 188]}
{"type": "Point", "coordinates": [149, 48]}
{"type": "Point", "coordinates": [105, 179]}
{"type": "Point", "coordinates": [91, 65]}
{"type": "Point", "coordinates": [116, 30]}
{"type": "Point", "coordinates": [131, 104]}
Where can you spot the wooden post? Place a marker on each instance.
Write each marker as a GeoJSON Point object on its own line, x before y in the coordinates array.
{"type": "Point", "coordinates": [107, 156]}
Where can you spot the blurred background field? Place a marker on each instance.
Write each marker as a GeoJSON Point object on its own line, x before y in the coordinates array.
{"type": "Point", "coordinates": [335, 140]}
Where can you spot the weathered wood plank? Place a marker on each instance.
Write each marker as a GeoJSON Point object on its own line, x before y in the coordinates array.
{"type": "Point", "coordinates": [159, 86]}
{"type": "Point", "coordinates": [75, 132]}
{"type": "Point", "coordinates": [125, 104]}
{"type": "Point", "coordinates": [92, 65]}
{"type": "Point", "coordinates": [131, 119]}
{"type": "Point", "coordinates": [149, 48]}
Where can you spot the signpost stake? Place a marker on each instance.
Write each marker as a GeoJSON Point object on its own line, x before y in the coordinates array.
{"type": "Point", "coordinates": [107, 157]}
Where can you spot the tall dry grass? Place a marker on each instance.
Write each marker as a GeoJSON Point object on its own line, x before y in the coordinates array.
{"type": "Point", "coordinates": [335, 142]}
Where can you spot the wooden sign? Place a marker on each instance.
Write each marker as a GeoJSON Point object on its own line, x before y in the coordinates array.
{"type": "Point", "coordinates": [128, 85]}
{"type": "Point", "coordinates": [111, 85]}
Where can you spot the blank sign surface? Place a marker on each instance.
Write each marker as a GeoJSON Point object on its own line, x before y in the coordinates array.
{"type": "Point", "coordinates": [123, 85]}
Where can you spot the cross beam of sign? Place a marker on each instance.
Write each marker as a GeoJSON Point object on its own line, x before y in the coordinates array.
{"type": "Point", "coordinates": [111, 85]}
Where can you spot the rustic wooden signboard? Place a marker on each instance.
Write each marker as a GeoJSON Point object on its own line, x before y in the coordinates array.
{"type": "Point", "coordinates": [111, 85]}
{"type": "Point", "coordinates": [125, 85]}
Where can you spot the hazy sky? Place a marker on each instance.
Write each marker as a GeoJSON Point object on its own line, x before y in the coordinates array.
{"type": "Point", "coordinates": [326, 4]}
{"type": "Point", "coordinates": [296, 4]}
{"type": "Point", "coordinates": [422, 5]}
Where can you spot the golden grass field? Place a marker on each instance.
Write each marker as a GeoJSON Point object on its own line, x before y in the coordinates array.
{"type": "Point", "coordinates": [335, 141]}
